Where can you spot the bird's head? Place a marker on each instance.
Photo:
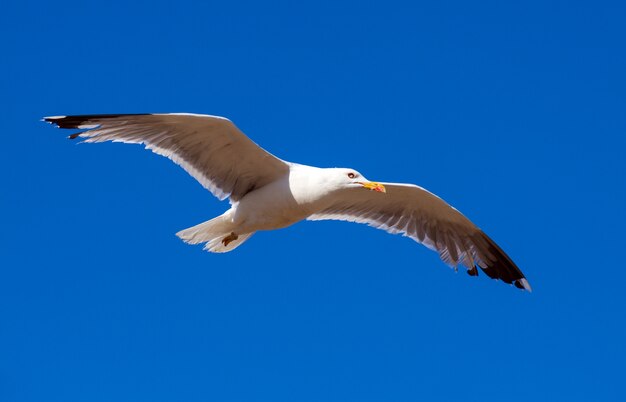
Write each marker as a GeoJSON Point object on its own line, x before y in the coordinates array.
{"type": "Point", "coordinates": [351, 178]}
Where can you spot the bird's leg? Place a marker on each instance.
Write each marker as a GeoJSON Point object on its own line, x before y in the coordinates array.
{"type": "Point", "coordinates": [231, 237]}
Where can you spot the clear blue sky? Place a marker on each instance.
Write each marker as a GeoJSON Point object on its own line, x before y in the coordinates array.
{"type": "Point", "coordinates": [514, 113]}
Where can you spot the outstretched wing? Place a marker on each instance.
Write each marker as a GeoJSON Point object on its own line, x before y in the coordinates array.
{"type": "Point", "coordinates": [427, 219]}
{"type": "Point", "coordinates": [209, 148]}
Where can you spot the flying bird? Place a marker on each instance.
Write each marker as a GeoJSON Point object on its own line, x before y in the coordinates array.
{"type": "Point", "coordinates": [269, 193]}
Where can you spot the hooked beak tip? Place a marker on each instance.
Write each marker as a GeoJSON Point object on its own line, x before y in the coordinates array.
{"type": "Point", "coordinates": [379, 188]}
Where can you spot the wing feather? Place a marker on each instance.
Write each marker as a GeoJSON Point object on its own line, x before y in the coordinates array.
{"type": "Point", "coordinates": [209, 148]}
{"type": "Point", "coordinates": [427, 219]}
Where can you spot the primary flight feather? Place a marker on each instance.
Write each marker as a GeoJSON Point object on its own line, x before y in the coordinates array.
{"type": "Point", "coordinates": [268, 193]}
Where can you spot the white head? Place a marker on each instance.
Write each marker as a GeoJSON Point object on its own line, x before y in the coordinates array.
{"type": "Point", "coordinates": [349, 178]}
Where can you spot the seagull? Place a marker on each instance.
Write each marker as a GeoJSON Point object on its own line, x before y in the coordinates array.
{"type": "Point", "coordinates": [268, 193]}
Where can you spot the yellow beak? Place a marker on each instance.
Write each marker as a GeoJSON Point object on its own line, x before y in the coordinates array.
{"type": "Point", "coordinates": [370, 185]}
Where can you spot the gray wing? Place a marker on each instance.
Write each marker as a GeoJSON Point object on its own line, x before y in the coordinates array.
{"type": "Point", "coordinates": [427, 219]}
{"type": "Point", "coordinates": [209, 148]}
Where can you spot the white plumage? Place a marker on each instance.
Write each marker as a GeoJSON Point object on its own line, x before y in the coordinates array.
{"type": "Point", "coordinates": [268, 193]}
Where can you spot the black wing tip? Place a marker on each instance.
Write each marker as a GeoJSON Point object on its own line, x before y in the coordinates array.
{"type": "Point", "coordinates": [473, 271]}
{"type": "Point", "coordinates": [503, 268]}
{"type": "Point", "coordinates": [523, 284]}
{"type": "Point", "coordinates": [82, 121]}
{"type": "Point", "coordinates": [520, 283]}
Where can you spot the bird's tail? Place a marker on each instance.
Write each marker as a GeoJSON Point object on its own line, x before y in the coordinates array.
{"type": "Point", "coordinates": [218, 234]}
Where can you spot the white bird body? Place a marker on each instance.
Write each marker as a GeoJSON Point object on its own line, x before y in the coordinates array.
{"type": "Point", "coordinates": [278, 204]}
{"type": "Point", "coordinates": [283, 202]}
{"type": "Point", "coordinates": [267, 193]}
{"type": "Point", "coordinates": [287, 200]}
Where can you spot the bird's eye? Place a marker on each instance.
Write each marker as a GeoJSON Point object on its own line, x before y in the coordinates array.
{"type": "Point", "coordinates": [351, 175]}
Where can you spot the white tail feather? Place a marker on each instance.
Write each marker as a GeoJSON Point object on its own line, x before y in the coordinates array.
{"type": "Point", "coordinates": [216, 245]}
{"type": "Point", "coordinates": [212, 233]}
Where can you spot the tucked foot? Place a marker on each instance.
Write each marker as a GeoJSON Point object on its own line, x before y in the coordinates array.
{"type": "Point", "coordinates": [231, 237]}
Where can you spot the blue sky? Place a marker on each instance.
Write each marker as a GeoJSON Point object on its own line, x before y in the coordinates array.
{"type": "Point", "coordinates": [514, 113]}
